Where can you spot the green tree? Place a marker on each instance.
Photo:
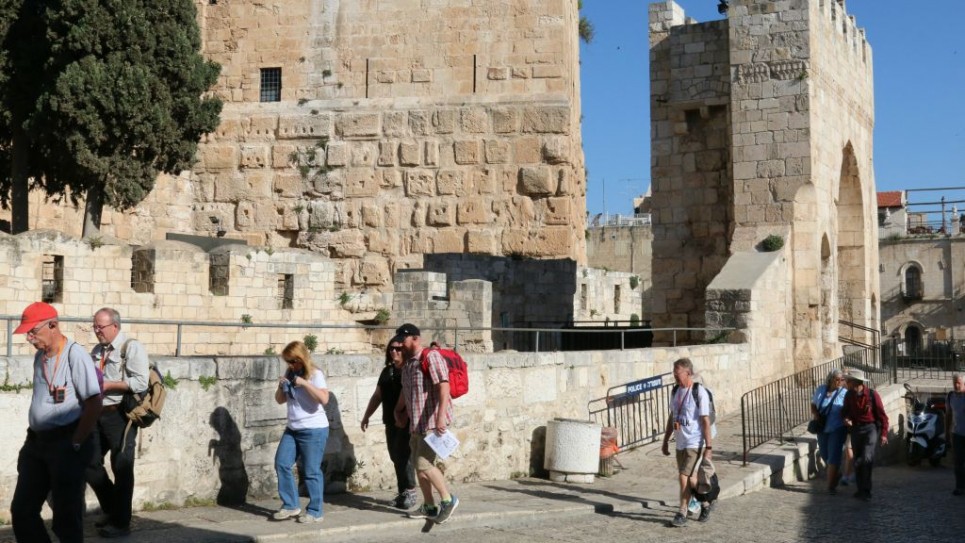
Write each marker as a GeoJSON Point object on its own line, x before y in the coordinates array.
{"type": "Point", "coordinates": [586, 29]}
{"type": "Point", "coordinates": [116, 97]}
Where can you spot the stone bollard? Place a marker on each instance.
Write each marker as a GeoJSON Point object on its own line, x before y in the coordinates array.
{"type": "Point", "coordinates": [572, 450]}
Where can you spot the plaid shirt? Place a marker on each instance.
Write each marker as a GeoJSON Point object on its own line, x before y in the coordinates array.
{"type": "Point", "coordinates": [421, 398]}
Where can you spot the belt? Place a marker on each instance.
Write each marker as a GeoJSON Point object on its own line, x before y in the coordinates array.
{"type": "Point", "coordinates": [53, 434]}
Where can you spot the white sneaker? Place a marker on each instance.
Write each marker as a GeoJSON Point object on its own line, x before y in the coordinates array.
{"type": "Point", "coordinates": [308, 519]}
{"type": "Point", "coordinates": [283, 514]}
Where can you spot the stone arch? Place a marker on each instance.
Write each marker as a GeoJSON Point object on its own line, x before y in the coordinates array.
{"type": "Point", "coordinates": [852, 282]}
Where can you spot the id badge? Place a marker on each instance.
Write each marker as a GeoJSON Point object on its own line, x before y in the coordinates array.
{"type": "Point", "coordinates": [59, 394]}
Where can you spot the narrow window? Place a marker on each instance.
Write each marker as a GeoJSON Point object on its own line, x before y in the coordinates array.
{"type": "Point", "coordinates": [583, 304]}
{"type": "Point", "coordinates": [286, 291]}
{"type": "Point", "coordinates": [218, 275]}
{"type": "Point", "coordinates": [271, 84]}
{"type": "Point", "coordinates": [142, 271]}
{"type": "Point", "coordinates": [52, 277]}
{"type": "Point", "coordinates": [913, 287]}
{"type": "Point", "coordinates": [616, 299]}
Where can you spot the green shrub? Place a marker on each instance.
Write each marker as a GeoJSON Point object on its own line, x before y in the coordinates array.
{"type": "Point", "coordinates": [772, 243]}
{"type": "Point", "coordinates": [311, 342]}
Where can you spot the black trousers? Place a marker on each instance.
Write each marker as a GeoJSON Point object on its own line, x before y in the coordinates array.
{"type": "Point", "coordinates": [397, 440]}
{"type": "Point", "coordinates": [114, 496]}
{"type": "Point", "coordinates": [864, 440]}
{"type": "Point", "coordinates": [48, 464]}
{"type": "Point", "coordinates": [958, 460]}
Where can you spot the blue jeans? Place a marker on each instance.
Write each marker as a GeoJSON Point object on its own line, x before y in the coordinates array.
{"type": "Point", "coordinates": [310, 445]}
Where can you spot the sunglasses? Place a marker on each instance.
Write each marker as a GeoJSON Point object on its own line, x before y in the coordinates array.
{"type": "Point", "coordinates": [395, 349]}
{"type": "Point", "coordinates": [290, 362]}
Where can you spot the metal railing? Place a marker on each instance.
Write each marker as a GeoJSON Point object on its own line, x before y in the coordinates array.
{"type": "Point", "coordinates": [771, 411]}
{"type": "Point", "coordinates": [938, 360]}
{"type": "Point", "coordinates": [849, 338]}
{"type": "Point", "coordinates": [523, 339]}
{"type": "Point", "coordinates": [638, 410]}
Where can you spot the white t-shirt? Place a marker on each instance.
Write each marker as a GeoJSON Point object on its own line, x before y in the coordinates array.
{"type": "Point", "coordinates": [304, 411]}
{"type": "Point", "coordinates": [684, 411]}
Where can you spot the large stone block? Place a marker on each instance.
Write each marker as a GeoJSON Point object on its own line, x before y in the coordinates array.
{"type": "Point", "coordinates": [555, 210]}
{"type": "Point", "coordinates": [546, 119]}
{"type": "Point", "coordinates": [444, 121]}
{"type": "Point", "coordinates": [218, 157]}
{"type": "Point", "coordinates": [466, 151]}
{"type": "Point", "coordinates": [358, 125]}
{"type": "Point", "coordinates": [361, 183]}
{"type": "Point", "coordinates": [528, 150]}
{"type": "Point", "coordinates": [497, 151]}
{"type": "Point", "coordinates": [374, 271]}
{"type": "Point", "coordinates": [475, 120]}
{"type": "Point", "coordinates": [251, 185]}
{"type": "Point", "coordinates": [288, 185]}
{"type": "Point", "coordinates": [536, 181]}
{"type": "Point", "coordinates": [449, 240]}
{"type": "Point", "coordinates": [420, 182]}
{"type": "Point", "coordinates": [260, 127]}
{"type": "Point", "coordinates": [410, 153]}
{"type": "Point", "coordinates": [337, 154]}
{"type": "Point", "coordinates": [387, 152]}
{"type": "Point", "coordinates": [484, 242]}
{"type": "Point", "coordinates": [450, 182]}
{"type": "Point", "coordinates": [395, 124]}
{"type": "Point", "coordinates": [282, 155]}
{"type": "Point", "coordinates": [556, 150]}
{"type": "Point", "coordinates": [419, 123]}
{"type": "Point", "coordinates": [505, 120]}
{"type": "Point", "coordinates": [304, 126]}
{"type": "Point", "coordinates": [364, 154]}
{"type": "Point", "coordinates": [254, 156]}
{"type": "Point", "coordinates": [474, 211]}
{"type": "Point", "coordinates": [442, 213]}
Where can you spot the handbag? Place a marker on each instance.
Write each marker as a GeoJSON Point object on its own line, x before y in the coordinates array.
{"type": "Point", "coordinates": [816, 426]}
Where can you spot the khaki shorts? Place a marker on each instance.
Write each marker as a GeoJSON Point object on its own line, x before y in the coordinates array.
{"type": "Point", "coordinates": [686, 460]}
{"type": "Point", "coordinates": [423, 458]}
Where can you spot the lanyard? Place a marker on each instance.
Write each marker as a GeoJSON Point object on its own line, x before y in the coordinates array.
{"type": "Point", "coordinates": [60, 350]}
{"type": "Point", "coordinates": [682, 394]}
{"type": "Point", "coordinates": [104, 354]}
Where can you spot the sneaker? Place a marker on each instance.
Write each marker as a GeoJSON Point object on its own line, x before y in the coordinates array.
{"type": "Point", "coordinates": [426, 511]}
{"type": "Point", "coordinates": [309, 519]}
{"type": "Point", "coordinates": [446, 509]}
{"type": "Point", "coordinates": [411, 499]}
{"type": "Point", "coordinates": [110, 531]}
{"type": "Point", "coordinates": [283, 514]}
{"type": "Point", "coordinates": [679, 520]}
{"type": "Point", "coordinates": [705, 513]}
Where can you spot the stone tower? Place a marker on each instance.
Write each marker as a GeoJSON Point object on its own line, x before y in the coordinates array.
{"type": "Point", "coordinates": [762, 125]}
{"type": "Point", "coordinates": [378, 132]}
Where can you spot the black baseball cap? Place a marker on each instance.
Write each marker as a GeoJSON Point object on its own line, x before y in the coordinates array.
{"type": "Point", "coordinates": [407, 330]}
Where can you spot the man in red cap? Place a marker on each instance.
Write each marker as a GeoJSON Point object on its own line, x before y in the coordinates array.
{"type": "Point", "coordinates": [63, 410]}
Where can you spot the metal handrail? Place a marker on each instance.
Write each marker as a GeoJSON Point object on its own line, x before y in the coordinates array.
{"type": "Point", "coordinates": [180, 324]}
{"type": "Point", "coordinates": [771, 411]}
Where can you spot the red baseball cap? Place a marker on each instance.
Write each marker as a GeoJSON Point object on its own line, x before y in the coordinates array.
{"type": "Point", "coordinates": [35, 314]}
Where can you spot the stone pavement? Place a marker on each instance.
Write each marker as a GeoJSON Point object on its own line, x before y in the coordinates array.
{"type": "Point", "coordinates": [646, 480]}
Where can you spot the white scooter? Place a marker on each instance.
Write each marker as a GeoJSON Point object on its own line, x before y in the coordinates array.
{"type": "Point", "coordinates": [925, 429]}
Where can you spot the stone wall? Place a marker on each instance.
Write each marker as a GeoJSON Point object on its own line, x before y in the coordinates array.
{"type": "Point", "coordinates": [172, 281]}
{"type": "Point", "coordinates": [624, 249]}
{"type": "Point", "coordinates": [220, 441]}
{"type": "Point", "coordinates": [762, 127]}
{"type": "Point", "coordinates": [404, 128]}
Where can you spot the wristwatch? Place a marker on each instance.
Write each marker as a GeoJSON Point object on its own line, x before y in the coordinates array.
{"type": "Point", "coordinates": [709, 448]}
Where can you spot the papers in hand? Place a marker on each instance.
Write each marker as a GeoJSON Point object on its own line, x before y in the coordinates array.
{"type": "Point", "coordinates": [443, 445]}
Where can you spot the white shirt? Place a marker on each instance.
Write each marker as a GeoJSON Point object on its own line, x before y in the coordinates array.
{"type": "Point", "coordinates": [684, 411]}
{"type": "Point", "coordinates": [304, 411]}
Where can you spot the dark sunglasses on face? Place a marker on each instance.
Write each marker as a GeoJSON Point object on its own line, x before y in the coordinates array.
{"type": "Point", "coordinates": [290, 362]}
{"type": "Point", "coordinates": [395, 349]}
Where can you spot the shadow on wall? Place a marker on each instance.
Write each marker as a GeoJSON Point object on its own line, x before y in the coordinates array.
{"type": "Point", "coordinates": [226, 450]}
{"type": "Point", "coordinates": [537, 453]}
{"type": "Point", "coordinates": [339, 462]}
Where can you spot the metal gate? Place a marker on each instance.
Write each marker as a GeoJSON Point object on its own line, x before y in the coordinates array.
{"type": "Point", "coordinates": [638, 410]}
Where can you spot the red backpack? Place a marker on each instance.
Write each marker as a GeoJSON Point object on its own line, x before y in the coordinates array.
{"type": "Point", "coordinates": [458, 371]}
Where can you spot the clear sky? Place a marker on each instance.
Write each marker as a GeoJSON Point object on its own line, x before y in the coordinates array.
{"type": "Point", "coordinates": [918, 48]}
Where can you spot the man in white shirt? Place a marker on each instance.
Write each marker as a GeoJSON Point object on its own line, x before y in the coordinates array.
{"type": "Point", "coordinates": [690, 424]}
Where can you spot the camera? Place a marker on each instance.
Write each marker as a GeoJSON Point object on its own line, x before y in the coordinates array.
{"type": "Point", "coordinates": [59, 394]}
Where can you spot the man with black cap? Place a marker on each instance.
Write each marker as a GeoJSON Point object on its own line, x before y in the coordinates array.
{"type": "Point", "coordinates": [864, 414]}
{"type": "Point", "coordinates": [425, 400]}
{"type": "Point", "coordinates": [64, 408]}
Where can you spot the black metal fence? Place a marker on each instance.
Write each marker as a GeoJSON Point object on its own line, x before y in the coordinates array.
{"type": "Point", "coordinates": [771, 411]}
{"type": "Point", "coordinates": [938, 360]}
{"type": "Point", "coordinates": [638, 410]}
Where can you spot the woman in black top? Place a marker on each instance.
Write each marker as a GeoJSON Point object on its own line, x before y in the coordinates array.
{"type": "Point", "coordinates": [386, 394]}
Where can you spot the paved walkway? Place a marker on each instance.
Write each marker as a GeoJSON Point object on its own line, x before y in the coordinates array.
{"type": "Point", "coordinates": [646, 479]}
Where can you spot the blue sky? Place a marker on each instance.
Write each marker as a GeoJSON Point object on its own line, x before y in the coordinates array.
{"type": "Point", "coordinates": [919, 65]}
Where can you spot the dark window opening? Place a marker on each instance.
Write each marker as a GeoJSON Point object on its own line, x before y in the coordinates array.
{"type": "Point", "coordinates": [271, 84]}
{"type": "Point", "coordinates": [52, 279]}
{"type": "Point", "coordinates": [616, 299]}
{"type": "Point", "coordinates": [913, 286]}
{"type": "Point", "coordinates": [218, 275]}
{"type": "Point", "coordinates": [286, 291]}
{"type": "Point", "coordinates": [142, 272]}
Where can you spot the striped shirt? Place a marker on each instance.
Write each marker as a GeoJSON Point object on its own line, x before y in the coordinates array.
{"type": "Point", "coordinates": [421, 395]}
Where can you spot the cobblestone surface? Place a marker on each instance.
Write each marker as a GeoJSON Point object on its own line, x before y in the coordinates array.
{"type": "Point", "coordinates": [909, 505]}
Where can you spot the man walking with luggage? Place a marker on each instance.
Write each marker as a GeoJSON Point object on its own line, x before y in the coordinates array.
{"type": "Point", "coordinates": [124, 363]}
{"type": "Point", "coordinates": [690, 425]}
{"type": "Point", "coordinates": [425, 400]}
